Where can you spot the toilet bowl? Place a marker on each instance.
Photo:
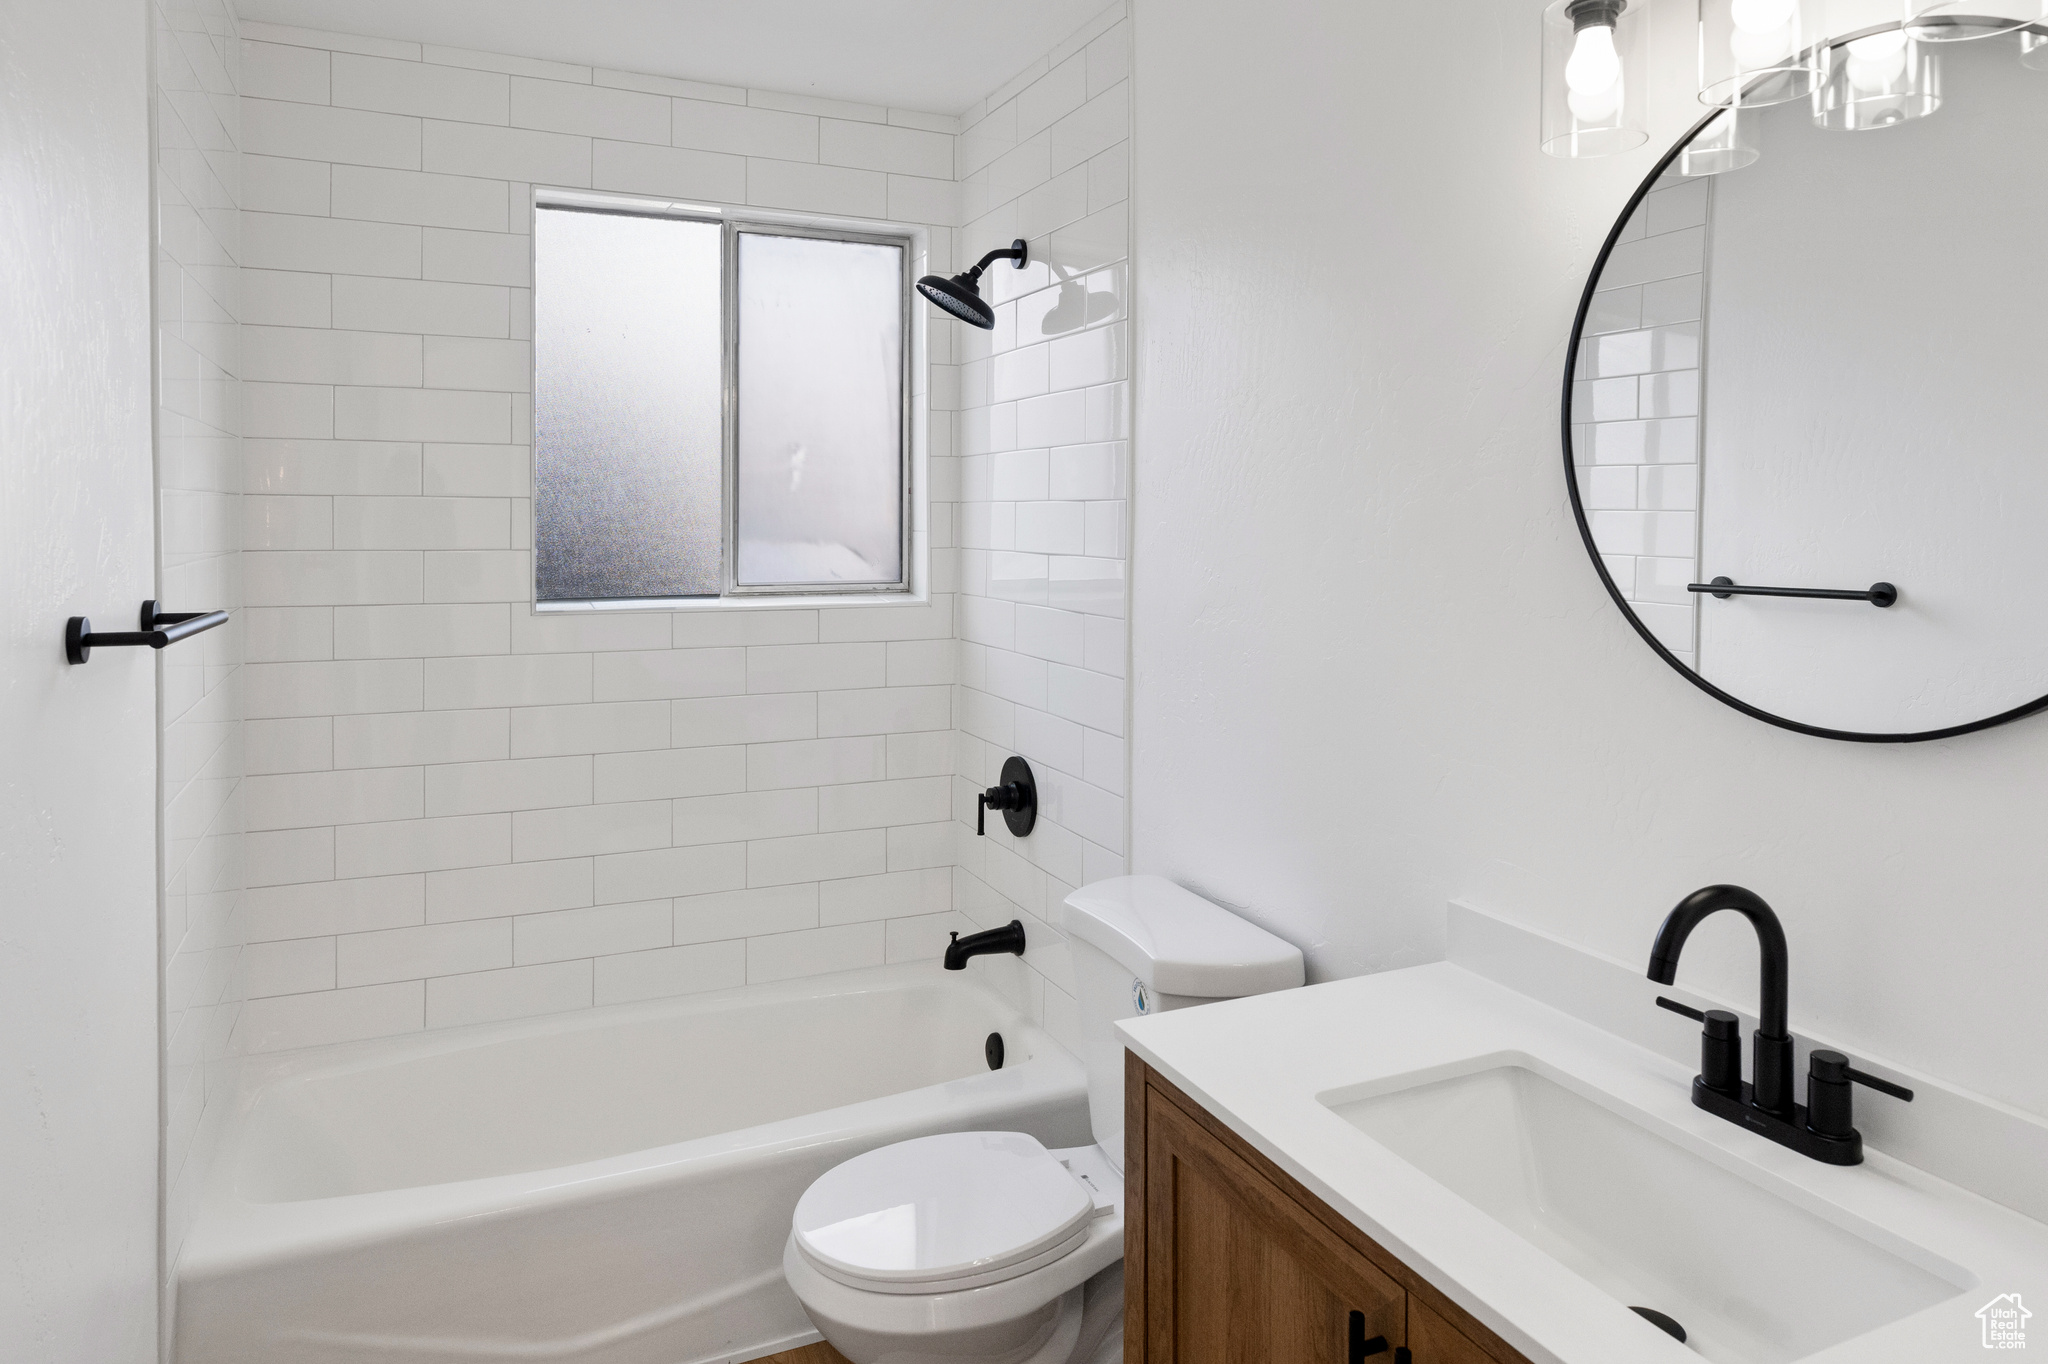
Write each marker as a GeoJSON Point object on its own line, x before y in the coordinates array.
{"type": "Point", "coordinates": [985, 1247]}
{"type": "Point", "coordinates": [980, 1246]}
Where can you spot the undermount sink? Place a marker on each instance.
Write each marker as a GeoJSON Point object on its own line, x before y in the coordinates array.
{"type": "Point", "coordinates": [1752, 1277]}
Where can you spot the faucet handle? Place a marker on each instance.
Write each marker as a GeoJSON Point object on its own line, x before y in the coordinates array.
{"type": "Point", "coordinates": [1832, 1067]}
{"type": "Point", "coordinates": [1719, 1024]}
{"type": "Point", "coordinates": [1828, 1106]}
{"type": "Point", "coordinates": [1720, 1046]}
{"type": "Point", "coordinates": [1899, 1092]}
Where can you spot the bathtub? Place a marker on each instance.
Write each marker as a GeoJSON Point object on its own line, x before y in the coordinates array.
{"type": "Point", "coordinates": [607, 1187]}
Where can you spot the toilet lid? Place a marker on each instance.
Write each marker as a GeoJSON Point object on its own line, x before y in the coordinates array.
{"type": "Point", "coordinates": [938, 1209]}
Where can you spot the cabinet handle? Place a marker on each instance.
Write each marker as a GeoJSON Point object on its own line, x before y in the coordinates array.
{"type": "Point", "coordinates": [1401, 1355]}
{"type": "Point", "coordinates": [1361, 1347]}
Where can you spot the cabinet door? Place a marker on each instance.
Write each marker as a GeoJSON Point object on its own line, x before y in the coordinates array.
{"type": "Point", "coordinates": [1432, 1340]}
{"type": "Point", "coordinates": [1238, 1272]}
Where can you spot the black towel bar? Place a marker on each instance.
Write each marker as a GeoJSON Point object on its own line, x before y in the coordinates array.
{"type": "Point", "coordinates": [1877, 594]}
{"type": "Point", "coordinates": [159, 628]}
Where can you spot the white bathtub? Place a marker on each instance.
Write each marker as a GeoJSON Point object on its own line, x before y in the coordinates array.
{"type": "Point", "coordinates": [610, 1187]}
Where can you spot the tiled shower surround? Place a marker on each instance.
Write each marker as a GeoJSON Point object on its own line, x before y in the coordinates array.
{"type": "Point", "coordinates": [1637, 409]}
{"type": "Point", "coordinates": [199, 476]}
{"type": "Point", "coordinates": [1044, 481]}
{"type": "Point", "coordinates": [460, 810]}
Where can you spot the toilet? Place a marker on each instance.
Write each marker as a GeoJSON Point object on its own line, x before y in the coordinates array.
{"type": "Point", "coordinates": [986, 1247]}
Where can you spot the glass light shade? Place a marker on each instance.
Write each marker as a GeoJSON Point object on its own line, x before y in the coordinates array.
{"type": "Point", "coordinates": [1876, 81]}
{"type": "Point", "coordinates": [1757, 52]}
{"type": "Point", "coordinates": [2034, 51]}
{"type": "Point", "coordinates": [1594, 71]}
{"type": "Point", "coordinates": [1726, 144]}
{"type": "Point", "coordinates": [1949, 21]}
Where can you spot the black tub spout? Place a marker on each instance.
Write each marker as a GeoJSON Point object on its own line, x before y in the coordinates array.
{"type": "Point", "coordinates": [1008, 938]}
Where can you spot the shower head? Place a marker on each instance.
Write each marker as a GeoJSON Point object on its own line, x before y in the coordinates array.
{"type": "Point", "coordinates": [961, 295]}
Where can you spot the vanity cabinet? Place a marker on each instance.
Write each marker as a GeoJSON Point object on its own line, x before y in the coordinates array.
{"type": "Point", "coordinates": [1229, 1260]}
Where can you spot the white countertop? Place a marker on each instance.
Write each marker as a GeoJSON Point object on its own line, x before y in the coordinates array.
{"type": "Point", "coordinates": [1259, 1063]}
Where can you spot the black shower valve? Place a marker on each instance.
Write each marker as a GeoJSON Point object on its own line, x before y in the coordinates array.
{"type": "Point", "coordinates": [1015, 797]}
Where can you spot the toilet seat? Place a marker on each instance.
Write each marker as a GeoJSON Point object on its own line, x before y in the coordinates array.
{"type": "Point", "coordinates": [942, 1213]}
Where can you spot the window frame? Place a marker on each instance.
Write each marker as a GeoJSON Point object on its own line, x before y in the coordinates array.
{"type": "Point", "coordinates": [730, 266]}
{"type": "Point", "coordinates": [912, 587]}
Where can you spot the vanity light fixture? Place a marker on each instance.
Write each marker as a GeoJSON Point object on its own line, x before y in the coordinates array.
{"type": "Point", "coordinates": [1757, 52]}
{"type": "Point", "coordinates": [1879, 80]}
{"type": "Point", "coordinates": [1950, 21]}
{"type": "Point", "coordinates": [1725, 144]}
{"type": "Point", "coordinates": [1593, 76]}
{"type": "Point", "coordinates": [1754, 53]}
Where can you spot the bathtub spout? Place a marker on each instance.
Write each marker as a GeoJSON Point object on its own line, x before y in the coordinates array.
{"type": "Point", "coordinates": [1008, 938]}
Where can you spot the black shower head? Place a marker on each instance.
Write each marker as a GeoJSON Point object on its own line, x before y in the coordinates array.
{"type": "Point", "coordinates": [961, 295]}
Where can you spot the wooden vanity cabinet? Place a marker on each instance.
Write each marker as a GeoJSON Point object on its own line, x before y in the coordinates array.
{"type": "Point", "coordinates": [1229, 1260]}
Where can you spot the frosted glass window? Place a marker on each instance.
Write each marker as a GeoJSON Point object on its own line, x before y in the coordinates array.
{"type": "Point", "coordinates": [628, 406]}
{"type": "Point", "coordinates": [819, 468]}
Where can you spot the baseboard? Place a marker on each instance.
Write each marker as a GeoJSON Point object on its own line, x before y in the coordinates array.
{"type": "Point", "coordinates": [818, 1352]}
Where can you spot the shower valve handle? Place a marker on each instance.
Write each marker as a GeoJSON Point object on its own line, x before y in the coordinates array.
{"type": "Point", "coordinates": [1015, 797]}
{"type": "Point", "coordinates": [1008, 796]}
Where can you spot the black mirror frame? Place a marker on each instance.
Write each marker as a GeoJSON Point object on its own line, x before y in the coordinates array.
{"type": "Point", "coordinates": [1571, 483]}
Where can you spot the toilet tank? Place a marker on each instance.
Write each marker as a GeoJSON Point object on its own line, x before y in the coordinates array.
{"type": "Point", "coordinates": [1143, 945]}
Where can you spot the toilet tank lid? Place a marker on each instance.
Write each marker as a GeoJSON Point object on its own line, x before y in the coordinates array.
{"type": "Point", "coordinates": [1179, 943]}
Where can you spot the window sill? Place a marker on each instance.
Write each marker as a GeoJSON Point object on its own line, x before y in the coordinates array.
{"type": "Point", "coordinates": [777, 603]}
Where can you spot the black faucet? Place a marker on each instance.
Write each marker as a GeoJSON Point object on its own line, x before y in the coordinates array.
{"type": "Point", "coordinates": [1772, 1066]}
{"type": "Point", "coordinates": [1820, 1127]}
{"type": "Point", "coordinates": [1008, 938]}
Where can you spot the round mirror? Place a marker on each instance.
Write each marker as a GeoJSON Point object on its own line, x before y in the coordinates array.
{"type": "Point", "coordinates": [1803, 407]}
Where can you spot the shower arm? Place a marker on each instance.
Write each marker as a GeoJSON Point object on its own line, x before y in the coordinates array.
{"type": "Point", "coordinates": [1015, 253]}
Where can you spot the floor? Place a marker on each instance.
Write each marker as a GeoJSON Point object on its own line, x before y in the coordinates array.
{"type": "Point", "coordinates": [821, 1353]}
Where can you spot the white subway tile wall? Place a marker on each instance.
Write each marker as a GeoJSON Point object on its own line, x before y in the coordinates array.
{"type": "Point", "coordinates": [1043, 492]}
{"type": "Point", "coordinates": [199, 187]}
{"type": "Point", "coordinates": [1635, 409]}
{"type": "Point", "coordinates": [464, 811]}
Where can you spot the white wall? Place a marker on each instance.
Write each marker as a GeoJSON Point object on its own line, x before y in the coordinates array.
{"type": "Point", "coordinates": [199, 483]}
{"type": "Point", "coordinates": [460, 810]}
{"type": "Point", "coordinates": [1373, 668]}
{"type": "Point", "coordinates": [78, 920]}
{"type": "Point", "coordinates": [1042, 514]}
